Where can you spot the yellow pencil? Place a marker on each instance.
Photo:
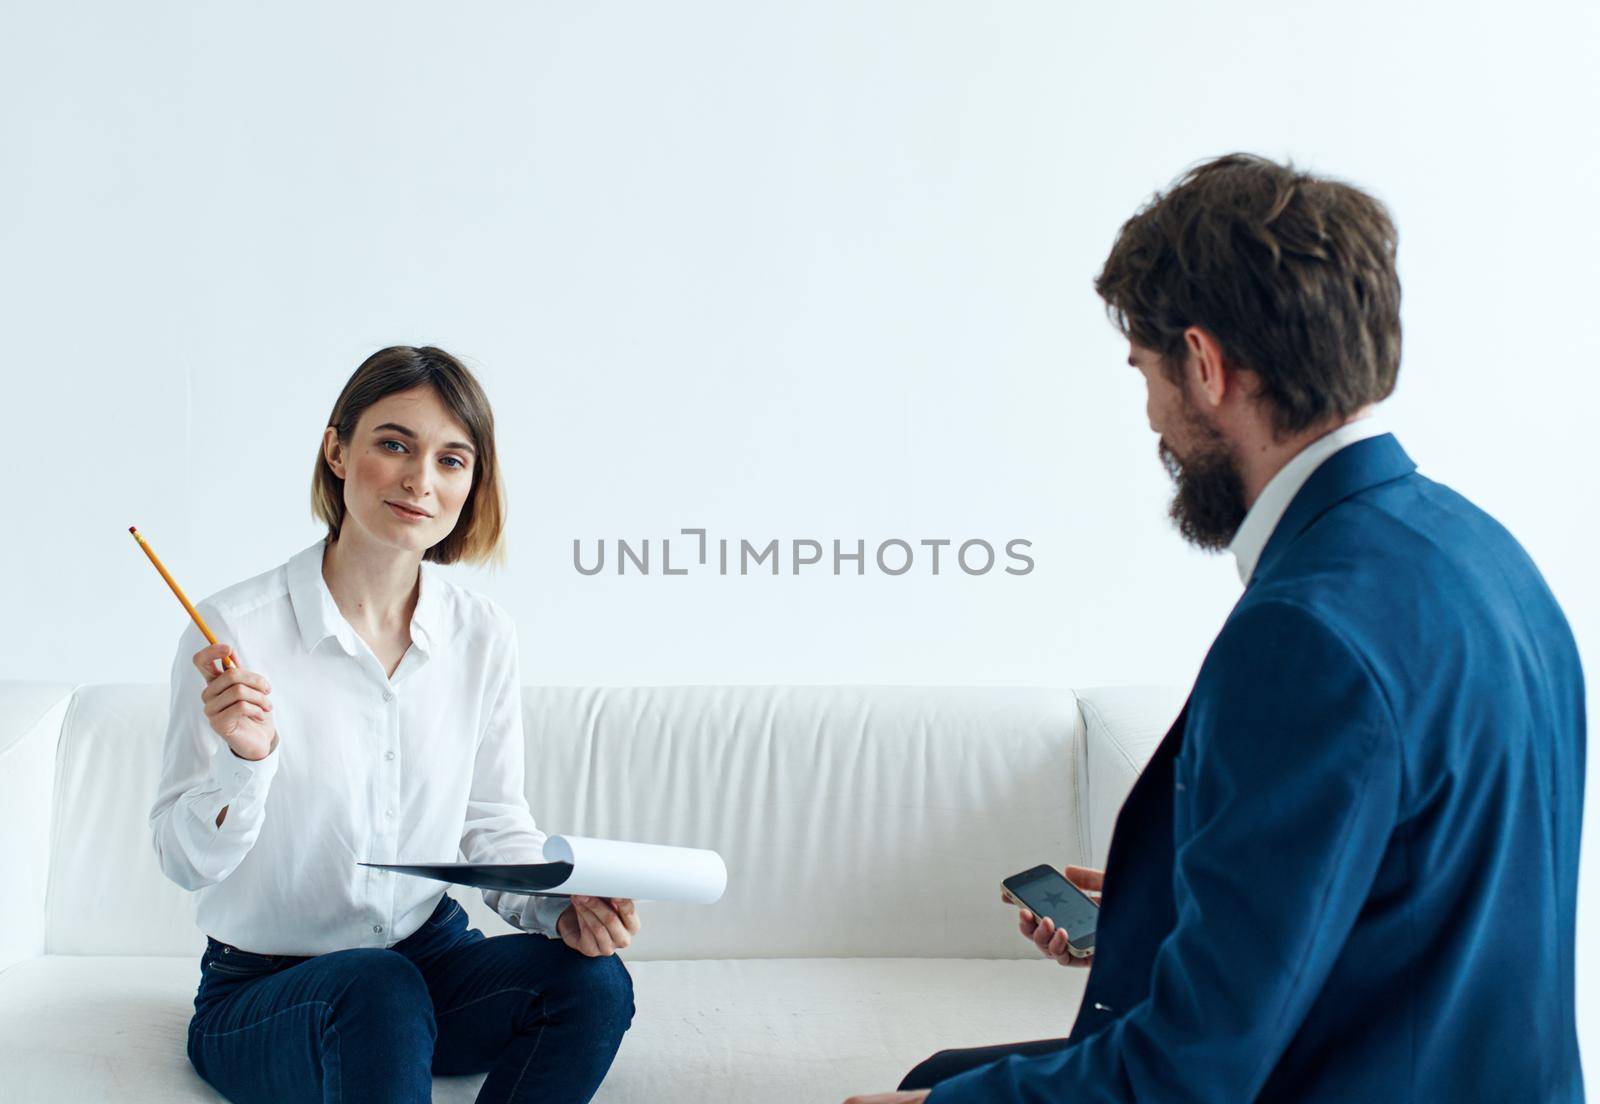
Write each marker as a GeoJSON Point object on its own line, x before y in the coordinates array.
{"type": "Point", "coordinates": [227, 661]}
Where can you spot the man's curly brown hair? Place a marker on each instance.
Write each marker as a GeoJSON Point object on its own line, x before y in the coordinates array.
{"type": "Point", "coordinates": [1293, 274]}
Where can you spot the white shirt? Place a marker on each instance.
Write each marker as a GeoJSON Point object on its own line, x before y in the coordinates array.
{"type": "Point", "coordinates": [426, 766]}
{"type": "Point", "coordinates": [1268, 508]}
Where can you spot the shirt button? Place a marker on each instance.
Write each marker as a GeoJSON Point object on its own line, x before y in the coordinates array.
{"type": "Point", "coordinates": [388, 754]}
{"type": "Point", "coordinates": [388, 695]}
{"type": "Point", "coordinates": [388, 812]}
{"type": "Point", "coordinates": [378, 929]}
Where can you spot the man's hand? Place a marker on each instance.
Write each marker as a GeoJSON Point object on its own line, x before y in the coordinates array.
{"type": "Point", "coordinates": [892, 1098]}
{"type": "Point", "coordinates": [1051, 940]}
{"type": "Point", "coordinates": [598, 926]}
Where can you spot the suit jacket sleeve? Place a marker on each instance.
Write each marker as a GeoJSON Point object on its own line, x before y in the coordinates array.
{"type": "Point", "coordinates": [1285, 794]}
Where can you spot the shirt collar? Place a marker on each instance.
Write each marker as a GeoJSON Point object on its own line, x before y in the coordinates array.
{"type": "Point", "coordinates": [426, 619]}
{"type": "Point", "coordinates": [1269, 506]}
{"type": "Point", "coordinates": [318, 614]}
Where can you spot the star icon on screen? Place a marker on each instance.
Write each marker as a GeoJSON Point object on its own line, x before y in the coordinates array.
{"type": "Point", "coordinates": [1054, 900]}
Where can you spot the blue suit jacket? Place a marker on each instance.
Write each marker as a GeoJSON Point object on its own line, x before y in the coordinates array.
{"type": "Point", "coordinates": [1349, 872]}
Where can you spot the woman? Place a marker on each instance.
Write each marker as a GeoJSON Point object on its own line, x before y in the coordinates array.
{"type": "Point", "coordinates": [398, 737]}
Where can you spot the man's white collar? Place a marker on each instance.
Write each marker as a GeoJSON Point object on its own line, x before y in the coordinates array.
{"type": "Point", "coordinates": [1256, 529]}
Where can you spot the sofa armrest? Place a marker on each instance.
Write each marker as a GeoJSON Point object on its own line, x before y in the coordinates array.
{"type": "Point", "coordinates": [31, 716]}
{"type": "Point", "coordinates": [1123, 725]}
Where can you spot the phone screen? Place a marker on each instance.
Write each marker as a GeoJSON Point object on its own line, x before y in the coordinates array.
{"type": "Point", "coordinates": [1046, 892]}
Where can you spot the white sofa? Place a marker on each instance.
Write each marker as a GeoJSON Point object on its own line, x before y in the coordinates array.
{"type": "Point", "coordinates": [865, 829]}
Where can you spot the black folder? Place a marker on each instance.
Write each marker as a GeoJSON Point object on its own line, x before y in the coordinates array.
{"type": "Point", "coordinates": [531, 878]}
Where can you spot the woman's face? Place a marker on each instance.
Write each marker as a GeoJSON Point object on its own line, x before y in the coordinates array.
{"type": "Point", "coordinates": [407, 469]}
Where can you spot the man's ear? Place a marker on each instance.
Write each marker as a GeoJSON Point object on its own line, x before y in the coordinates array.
{"type": "Point", "coordinates": [1209, 378]}
{"type": "Point", "coordinates": [333, 451]}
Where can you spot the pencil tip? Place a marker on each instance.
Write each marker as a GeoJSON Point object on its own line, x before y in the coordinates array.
{"type": "Point", "coordinates": [133, 530]}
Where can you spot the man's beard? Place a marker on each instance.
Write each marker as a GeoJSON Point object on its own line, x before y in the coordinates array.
{"type": "Point", "coordinates": [1208, 505]}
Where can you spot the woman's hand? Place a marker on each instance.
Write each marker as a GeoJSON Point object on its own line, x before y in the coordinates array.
{"type": "Point", "coordinates": [237, 705]}
{"type": "Point", "coordinates": [1051, 940]}
{"type": "Point", "coordinates": [598, 926]}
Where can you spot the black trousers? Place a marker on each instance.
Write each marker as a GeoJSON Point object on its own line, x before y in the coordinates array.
{"type": "Point", "coordinates": [948, 1063]}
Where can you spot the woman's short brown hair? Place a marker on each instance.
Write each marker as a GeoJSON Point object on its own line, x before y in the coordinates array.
{"type": "Point", "coordinates": [479, 532]}
{"type": "Point", "coordinates": [1293, 274]}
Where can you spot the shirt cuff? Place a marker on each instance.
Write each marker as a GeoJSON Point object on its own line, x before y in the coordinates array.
{"type": "Point", "coordinates": [537, 914]}
{"type": "Point", "coordinates": [240, 781]}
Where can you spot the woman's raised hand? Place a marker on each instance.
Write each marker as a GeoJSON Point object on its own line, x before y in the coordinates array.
{"type": "Point", "coordinates": [237, 704]}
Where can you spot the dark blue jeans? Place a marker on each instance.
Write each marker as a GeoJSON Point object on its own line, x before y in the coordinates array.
{"type": "Point", "coordinates": [948, 1063]}
{"type": "Point", "coordinates": [543, 1020]}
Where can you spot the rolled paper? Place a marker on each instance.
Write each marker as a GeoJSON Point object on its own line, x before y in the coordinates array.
{"type": "Point", "coordinates": [642, 871]}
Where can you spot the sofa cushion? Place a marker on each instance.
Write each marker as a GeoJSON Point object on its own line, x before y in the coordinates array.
{"type": "Point", "coordinates": [1123, 725]}
{"type": "Point", "coordinates": [76, 1028]}
{"type": "Point", "coordinates": [824, 800]}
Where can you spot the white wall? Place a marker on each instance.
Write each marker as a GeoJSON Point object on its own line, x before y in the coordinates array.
{"type": "Point", "coordinates": [780, 270]}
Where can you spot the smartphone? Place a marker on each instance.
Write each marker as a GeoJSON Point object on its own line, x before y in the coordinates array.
{"type": "Point", "coordinates": [1045, 891]}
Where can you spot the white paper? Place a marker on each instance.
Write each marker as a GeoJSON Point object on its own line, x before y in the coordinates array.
{"type": "Point", "coordinates": [642, 871]}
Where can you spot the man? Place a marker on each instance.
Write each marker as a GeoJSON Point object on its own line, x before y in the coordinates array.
{"type": "Point", "coordinates": [1349, 872]}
